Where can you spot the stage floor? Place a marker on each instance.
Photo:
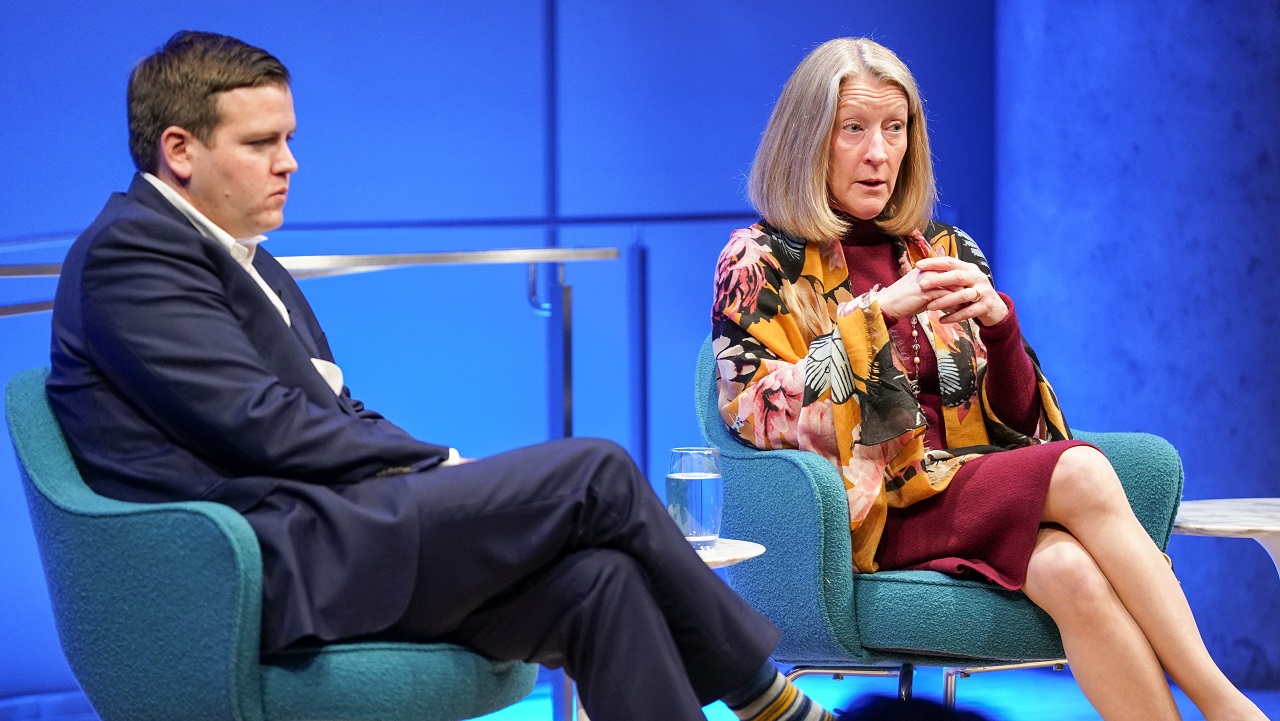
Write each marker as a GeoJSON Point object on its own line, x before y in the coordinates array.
{"type": "Point", "coordinates": [1033, 695]}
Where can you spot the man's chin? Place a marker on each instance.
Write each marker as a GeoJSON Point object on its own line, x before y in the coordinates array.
{"type": "Point", "coordinates": [270, 222]}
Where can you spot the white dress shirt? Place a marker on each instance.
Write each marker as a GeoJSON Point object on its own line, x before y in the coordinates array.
{"type": "Point", "coordinates": [242, 251]}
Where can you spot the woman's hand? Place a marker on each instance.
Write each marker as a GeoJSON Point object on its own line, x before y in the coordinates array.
{"type": "Point", "coordinates": [959, 289]}
{"type": "Point", "coordinates": [907, 297]}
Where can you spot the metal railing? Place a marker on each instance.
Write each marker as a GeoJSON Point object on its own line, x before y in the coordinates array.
{"type": "Point", "coordinates": [320, 266]}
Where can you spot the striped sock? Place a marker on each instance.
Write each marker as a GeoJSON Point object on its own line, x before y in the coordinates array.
{"type": "Point", "coordinates": [779, 701]}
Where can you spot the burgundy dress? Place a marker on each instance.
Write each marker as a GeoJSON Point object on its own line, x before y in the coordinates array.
{"type": "Point", "coordinates": [985, 523]}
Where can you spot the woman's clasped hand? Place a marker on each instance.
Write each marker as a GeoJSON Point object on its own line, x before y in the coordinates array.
{"type": "Point", "coordinates": [957, 288]}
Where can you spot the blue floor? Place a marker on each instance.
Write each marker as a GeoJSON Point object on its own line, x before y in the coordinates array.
{"type": "Point", "coordinates": [1006, 696]}
{"type": "Point", "coordinates": [1033, 695]}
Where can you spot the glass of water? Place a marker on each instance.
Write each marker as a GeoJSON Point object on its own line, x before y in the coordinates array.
{"type": "Point", "coordinates": [695, 493]}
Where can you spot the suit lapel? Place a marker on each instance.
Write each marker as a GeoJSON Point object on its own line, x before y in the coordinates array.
{"type": "Point", "coordinates": [290, 360]}
{"type": "Point", "coordinates": [278, 279]}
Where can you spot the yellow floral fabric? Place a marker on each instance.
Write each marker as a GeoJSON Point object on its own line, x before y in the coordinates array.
{"type": "Point", "coordinates": [803, 363]}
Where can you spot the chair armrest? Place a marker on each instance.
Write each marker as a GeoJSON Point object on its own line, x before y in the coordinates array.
{"type": "Point", "coordinates": [157, 605]}
{"type": "Point", "coordinates": [1151, 473]}
{"type": "Point", "coordinates": [793, 503]}
{"type": "Point", "coordinates": [161, 620]}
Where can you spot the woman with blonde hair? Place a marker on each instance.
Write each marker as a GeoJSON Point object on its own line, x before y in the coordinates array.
{"type": "Point", "coordinates": [849, 323]}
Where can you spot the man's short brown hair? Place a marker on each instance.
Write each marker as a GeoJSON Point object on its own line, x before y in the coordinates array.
{"type": "Point", "coordinates": [179, 84]}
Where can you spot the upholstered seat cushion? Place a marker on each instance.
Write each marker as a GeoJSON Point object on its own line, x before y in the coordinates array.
{"type": "Point", "coordinates": [385, 681]}
{"type": "Point", "coordinates": [930, 614]}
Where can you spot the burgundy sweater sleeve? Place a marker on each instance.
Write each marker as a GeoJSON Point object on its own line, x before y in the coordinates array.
{"type": "Point", "coordinates": [1011, 379]}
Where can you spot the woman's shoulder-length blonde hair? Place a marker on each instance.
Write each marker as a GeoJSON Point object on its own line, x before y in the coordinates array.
{"type": "Point", "coordinates": [788, 182]}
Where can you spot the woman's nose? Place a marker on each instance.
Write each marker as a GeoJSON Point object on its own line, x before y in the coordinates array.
{"type": "Point", "coordinates": [877, 152]}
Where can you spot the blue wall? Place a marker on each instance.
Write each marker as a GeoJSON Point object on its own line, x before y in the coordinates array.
{"type": "Point", "coordinates": [415, 114]}
{"type": "Point", "coordinates": [632, 133]}
{"type": "Point", "coordinates": [1139, 177]}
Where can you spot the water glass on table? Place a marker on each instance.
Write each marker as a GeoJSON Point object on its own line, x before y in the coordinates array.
{"type": "Point", "coordinates": [695, 492]}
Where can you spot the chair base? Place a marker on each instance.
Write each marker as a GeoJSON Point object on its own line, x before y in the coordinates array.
{"type": "Point", "coordinates": [949, 674]}
{"type": "Point", "coordinates": [905, 673]}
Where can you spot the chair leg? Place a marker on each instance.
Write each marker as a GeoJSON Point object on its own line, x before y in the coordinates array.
{"type": "Point", "coordinates": [950, 673]}
{"type": "Point", "coordinates": [949, 687]}
{"type": "Point", "coordinates": [564, 699]}
{"type": "Point", "coordinates": [906, 675]}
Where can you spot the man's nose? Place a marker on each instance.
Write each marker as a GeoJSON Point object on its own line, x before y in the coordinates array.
{"type": "Point", "coordinates": [285, 162]}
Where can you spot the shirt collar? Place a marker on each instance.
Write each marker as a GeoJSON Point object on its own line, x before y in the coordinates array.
{"type": "Point", "coordinates": [242, 249]}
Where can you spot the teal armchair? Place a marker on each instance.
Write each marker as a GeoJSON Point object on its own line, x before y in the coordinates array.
{"type": "Point", "coordinates": [833, 620]}
{"type": "Point", "coordinates": [157, 608]}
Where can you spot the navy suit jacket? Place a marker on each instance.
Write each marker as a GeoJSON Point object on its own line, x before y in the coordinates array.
{"type": "Point", "coordinates": [175, 378]}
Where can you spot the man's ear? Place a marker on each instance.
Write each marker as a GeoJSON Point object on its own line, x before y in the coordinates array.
{"type": "Point", "coordinates": [176, 148]}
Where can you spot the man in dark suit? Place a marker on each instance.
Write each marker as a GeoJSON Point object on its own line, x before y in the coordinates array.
{"type": "Point", "coordinates": [188, 365]}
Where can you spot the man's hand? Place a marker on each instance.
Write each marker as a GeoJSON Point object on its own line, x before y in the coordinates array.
{"type": "Point", "coordinates": [455, 459]}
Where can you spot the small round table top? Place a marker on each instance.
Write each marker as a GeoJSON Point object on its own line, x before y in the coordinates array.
{"type": "Point", "coordinates": [728, 551]}
{"type": "Point", "coordinates": [1229, 517]}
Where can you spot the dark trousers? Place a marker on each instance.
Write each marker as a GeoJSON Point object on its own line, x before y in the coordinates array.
{"type": "Point", "coordinates": [561, 554]}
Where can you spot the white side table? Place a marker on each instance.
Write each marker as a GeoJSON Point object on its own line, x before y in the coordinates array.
{"type": "Point", "coordinates": [728, 551]}
{"type": "Point", "coordinates": [1256, 518]}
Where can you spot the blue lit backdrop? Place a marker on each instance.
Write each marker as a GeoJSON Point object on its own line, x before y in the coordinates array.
{"type": "Point", "coordinates": [1118, 170]}
{"type": "Point", "coordinates": [1139, 176]}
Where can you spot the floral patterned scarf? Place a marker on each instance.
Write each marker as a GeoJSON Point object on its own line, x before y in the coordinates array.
{"type": "Point", "coordinates": [803, 363]}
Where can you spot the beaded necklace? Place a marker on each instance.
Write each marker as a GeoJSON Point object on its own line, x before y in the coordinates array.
{"type": "Point", "coordinates": [914, 379]}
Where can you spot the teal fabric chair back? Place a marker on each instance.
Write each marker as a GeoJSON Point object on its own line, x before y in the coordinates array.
{"type": "Point", "coordinates": [158, 611]}
{"type": "Point", "coordinates": [793, 503]}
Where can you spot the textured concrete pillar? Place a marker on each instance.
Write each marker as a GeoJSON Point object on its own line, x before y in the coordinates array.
{"type": "Point", "coordinates": [1138, 184]}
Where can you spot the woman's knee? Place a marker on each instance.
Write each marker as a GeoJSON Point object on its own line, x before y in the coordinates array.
{"type": "Point", "coordinates": [1064, 580]}
{"type": "Point", "coordinates": [1083, 483]}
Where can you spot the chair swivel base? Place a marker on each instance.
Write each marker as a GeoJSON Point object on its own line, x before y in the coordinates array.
{"type": "Point", "coordinates": [905, 674]}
